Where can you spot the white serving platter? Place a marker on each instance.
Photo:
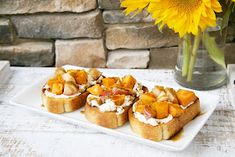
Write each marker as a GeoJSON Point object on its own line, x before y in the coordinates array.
{"type": "Point", "coordinates": [30, 98]}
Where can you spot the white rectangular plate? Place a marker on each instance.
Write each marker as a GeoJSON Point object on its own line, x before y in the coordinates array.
{"type": "Point", "coordinates": [30, 98]}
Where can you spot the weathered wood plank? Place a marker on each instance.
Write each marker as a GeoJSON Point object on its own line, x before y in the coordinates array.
{"type": "Point", "coordinates": [70, 144]}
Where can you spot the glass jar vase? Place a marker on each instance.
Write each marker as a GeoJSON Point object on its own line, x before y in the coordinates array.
{"type": "Point", "coordinates": [206, 72]}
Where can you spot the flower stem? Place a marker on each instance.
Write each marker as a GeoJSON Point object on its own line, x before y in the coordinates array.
{"type": "Point", "coordinates": [227, 15]}
{"type": "Point", "coordinates": [186, 54]}
{"type": "Point", "coordinates": [193, 56]}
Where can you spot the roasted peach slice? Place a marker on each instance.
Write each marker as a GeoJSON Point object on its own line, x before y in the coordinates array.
{"type": "Point", "coordinates": [50, 82]}
{"type": "Point", "coordinates": [128, 82]}
{"type": "Point", "coordinates": [118, 99]}
{"type": "Point", "coordinates": [185, 97]}
{"type": "Point", "coordinates": [149, 111]}
{"type": "Point", "coordinates": [139, 107]}
{"type": "Point", "coordinates": [68, 78]}
{"type": "Point", "coordinates": [175, 110]}
{"type": "Point", "coordinates": [171, 94]}
{"type": "Point", "coordinates": [95, 73]}
{"type": "Point", "coordinates": [57, 88]}
{"type": "Point", "coordinates": [81, 77]}
{"type": "Point", "coordinates": [72, 72]}
{"type": "Point", "coordinates": [161, 109]}
{"type": "Point", "coordinates": [56, 79]}
{"type": "Point", "coordinates": [59, 71]}
{"type": "Point", "coordinates": [70, 88]}
{"type": "Point", "coordinates": [97, 99]}
{"type": "Point", "coordinates": [110, 81]}
{"type": "Point", "coordinates": [147, 98]}
{"type": "Point", "coordinates": [95, 90]}
{"type": "Point", "coordinates": [157, 90]}
{"type": "Point", "coordinates": [162, 97]}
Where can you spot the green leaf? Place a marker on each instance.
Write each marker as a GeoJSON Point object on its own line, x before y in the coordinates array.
{"type": "Point", "coordinates": [226, 17]}
{"type": "Point", "coordinates": [214, 51]}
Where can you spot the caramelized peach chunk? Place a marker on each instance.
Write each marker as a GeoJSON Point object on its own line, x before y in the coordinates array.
{"type": "Point", "coordinates": [95, 73]}
{"type": "Point", "coordinates": [68, 78]}
{"type": "Point", "coordinates": [161, 109]}
{"type": "Point", "coordinates": [147, 98]}
{"type": "Point", "coordinates": [81, 77]}
{"type": "Point", "coordinates": [110, 81]}
{"type": "Point", "coordinates": [118, 99]}
{"type": "Point", "coordinates": [175, 110]}
{"type": "Point", "coordinates": [128, 82]}
{"type": "Point", "coordinates": [57, 88]}
{"type": "Point", "coordinates": [98, 100]}
{"type": "Point", "coordinates": [72, 72]}
{"type": "Point", "coordinates": [139, 107]}
{"type": "Point", "coordinates": [185, 97]}
{"type": "Point", "coordinates": [149, 111]}
{"type": "Point", "coordinates": [50, 82]}
{"type": "Point", "coordinates": [70, 88]}
{"type": "Point", "coordinates": [162, 97]}
{"type": "Point", "coordinates": [57, 79]}
{"type": "Point", "coordinates": [171, 94]}
{"type": "Point", "coordinates": [95, 90]}
{"type": "Point", "coordinates": [59, 71]}
{"type": "Point", "coordinates": [157, 90]}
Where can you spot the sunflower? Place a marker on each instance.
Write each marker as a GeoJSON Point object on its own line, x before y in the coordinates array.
{"type": "Point", "coordinates": [183, 16]}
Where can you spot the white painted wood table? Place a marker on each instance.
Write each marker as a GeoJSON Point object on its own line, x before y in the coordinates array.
{"type": "Point", "coordinates": [26, 133]}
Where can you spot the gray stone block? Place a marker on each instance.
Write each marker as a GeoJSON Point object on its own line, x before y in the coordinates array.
{"type": "Point", "coordinates": [7, 32]}
{"type": "Point", "coordinates": [117, 16]}
{"type": "Point", "coordinates": [34, 6]}
{"type": "Point", "coordinates": [81, 52]}
{"type": "Point", "coordinates": [139, 36]}
{"type": "Point", "coordinates": [128, 59]}
{"type": "Point", "coordinates": [28, 53]}
{"type": "Point", "coordinates": [109, 4]}
{"type": "Point", "coordinates": [62, 26]}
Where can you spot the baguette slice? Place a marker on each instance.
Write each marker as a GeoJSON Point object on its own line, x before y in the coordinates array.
{"type": "Point", "coordinates": [106, 119]}
{"type": "Point", "coordinates": [61, 105]}
{"type": "Point", "coordinates": [164, 131]}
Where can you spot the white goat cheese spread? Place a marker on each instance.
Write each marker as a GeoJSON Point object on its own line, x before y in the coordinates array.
{"type": "Point", "coordinates": [184, 107]}
{"type": "Point", "coordinates": [109, 105]}
{"type": "Point", "coordinates": [151, 121]}
{"type": "Point", "coordinates": [52, 95]}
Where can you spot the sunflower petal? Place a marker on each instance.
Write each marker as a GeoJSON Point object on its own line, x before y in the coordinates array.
{"type": "Point", "coordinates": [134, 5]}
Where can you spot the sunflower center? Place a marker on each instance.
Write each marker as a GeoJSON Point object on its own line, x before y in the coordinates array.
{"type": "Point", "coordinates": [186, 5]}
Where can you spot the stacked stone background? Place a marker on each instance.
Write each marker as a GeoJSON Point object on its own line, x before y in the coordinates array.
{"type": "Point", "coordinates": [90, 33]}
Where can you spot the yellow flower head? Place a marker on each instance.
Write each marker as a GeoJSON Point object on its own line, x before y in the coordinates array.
{"type": "Point", "coordinates": [183, 16]}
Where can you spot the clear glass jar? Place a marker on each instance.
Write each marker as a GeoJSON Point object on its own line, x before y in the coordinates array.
{"type": "Point", "coordinates": [207, 74]}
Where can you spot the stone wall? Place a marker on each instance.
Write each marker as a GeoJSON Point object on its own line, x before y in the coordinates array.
{"type": "Point", "coordinates": [90, 33]}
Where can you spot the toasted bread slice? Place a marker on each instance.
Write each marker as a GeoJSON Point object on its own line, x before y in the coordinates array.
{"type": "Point", "coordinates": [164, 131]}
{"type": "Point", "coordinates": [61, 105]}
{"type": "Point", "coordinates": [106, 119]}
